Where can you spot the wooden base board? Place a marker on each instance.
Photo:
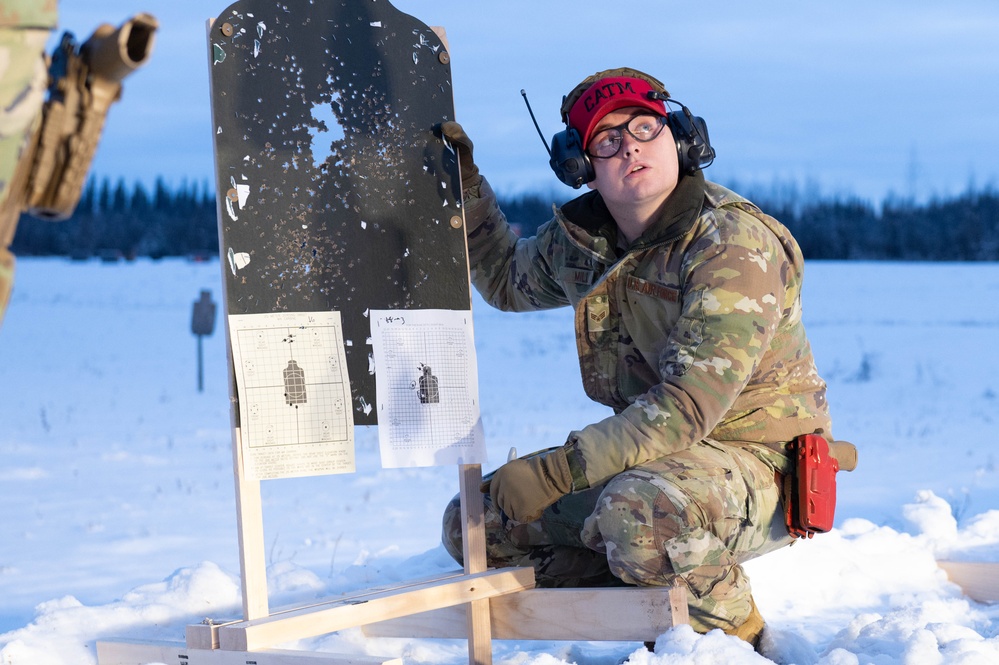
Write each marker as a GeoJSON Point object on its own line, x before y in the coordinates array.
{"type": "Point", "coordinates": [175, 653]}
{"type": "Point", "coordinates": [978, 580]}
{"type": "Point", "coordinates": [615, 614]}
{"type": "Point", "coordinates": [602, 614]}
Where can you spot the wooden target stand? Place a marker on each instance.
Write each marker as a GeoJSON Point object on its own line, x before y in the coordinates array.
{"type": "Point", "coordinates": [476, 603]}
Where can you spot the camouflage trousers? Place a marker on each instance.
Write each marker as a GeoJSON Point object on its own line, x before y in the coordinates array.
{"type": "Point", "coordinates": [690, 518]}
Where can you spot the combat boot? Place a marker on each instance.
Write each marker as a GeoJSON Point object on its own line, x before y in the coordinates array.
{"type": "Point", "coordinates": [751, 630]}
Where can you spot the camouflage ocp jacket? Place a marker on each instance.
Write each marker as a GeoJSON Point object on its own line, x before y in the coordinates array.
{"type": "Point", "coordinates": [693, 331]}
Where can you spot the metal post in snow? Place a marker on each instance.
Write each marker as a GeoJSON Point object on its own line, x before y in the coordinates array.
{"type": "Point", "coordinates": [202, 323]}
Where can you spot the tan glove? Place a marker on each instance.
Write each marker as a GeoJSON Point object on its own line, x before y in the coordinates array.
{"type": "Point", "coordinates": [456, 137]}
{"type": "Point", "coordinates": [523, 488]}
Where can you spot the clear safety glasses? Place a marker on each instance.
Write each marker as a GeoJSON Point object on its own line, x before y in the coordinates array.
{"type": "Point", "coordinates": [643, 128]}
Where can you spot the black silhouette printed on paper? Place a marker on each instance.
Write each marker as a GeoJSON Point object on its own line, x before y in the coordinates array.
{"type": "Point", "coordinates": [429, 391]}
{"type": "Point", "coordinates": [294, 384]}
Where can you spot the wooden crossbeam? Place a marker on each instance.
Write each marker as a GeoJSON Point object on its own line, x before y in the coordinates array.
{"type": "Point", "coordinates": [206, 635]}
{"type": "Point", "coordinates": [616, 614]}
{"type": "Point", "coordinates": [339, 614]}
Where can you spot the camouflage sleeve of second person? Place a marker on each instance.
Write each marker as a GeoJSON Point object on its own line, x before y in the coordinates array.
{"type": "Point", "coordinates": [495, 253]}
{"type": "Point", "coordinates": [42, 14]}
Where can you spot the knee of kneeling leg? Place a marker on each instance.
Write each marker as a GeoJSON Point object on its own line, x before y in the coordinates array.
{"type": "Point", "coordinates": [636, 520]}
{"type": "Point", "coordinates": [451, 530]}
{"type": "Point", "coordinates": [633, 503]}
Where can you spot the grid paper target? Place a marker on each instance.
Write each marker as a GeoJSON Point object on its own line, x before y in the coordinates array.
{"type": "Point", "coordinates": [427, 376]}
{"type": "Point", "coordinates": [293, 385]}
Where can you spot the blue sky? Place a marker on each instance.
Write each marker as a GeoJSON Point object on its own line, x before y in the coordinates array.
{"type": "Point", "coordinates": [854, 97]}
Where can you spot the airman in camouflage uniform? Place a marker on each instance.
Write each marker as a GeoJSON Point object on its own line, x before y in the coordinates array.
{"type": "Point", "coordinates": [688, 325]}
{"type": "Point", "coordinates": [24, 29]}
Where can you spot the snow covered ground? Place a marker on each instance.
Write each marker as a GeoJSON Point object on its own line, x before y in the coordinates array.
{"type": "Point", "coordinates": [117, 502]}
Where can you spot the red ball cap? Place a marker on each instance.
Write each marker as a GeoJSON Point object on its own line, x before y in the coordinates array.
{"type": "Point", "coordinates": [610, 94]}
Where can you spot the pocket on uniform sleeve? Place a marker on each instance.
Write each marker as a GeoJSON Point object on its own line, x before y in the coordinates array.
{"type": "Point", "coordinates": [686, 336]}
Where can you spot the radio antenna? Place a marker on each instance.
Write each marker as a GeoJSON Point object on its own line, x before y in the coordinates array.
{"type": "Point", "coordinates": [529, 110]}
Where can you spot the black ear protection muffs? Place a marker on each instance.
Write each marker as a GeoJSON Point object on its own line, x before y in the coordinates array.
{"type": "Point", "coordinates": [573, 166]}
{"type": "Point", "coordinates": [569, 160]}
{"type": "Point", "coordinates": [693, 146]}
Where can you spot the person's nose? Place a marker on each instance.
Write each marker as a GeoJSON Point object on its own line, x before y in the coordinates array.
{"type": "Point", "coordinates": [629, 144]}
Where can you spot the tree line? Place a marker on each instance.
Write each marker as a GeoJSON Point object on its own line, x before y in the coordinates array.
{"type": "Point", "coordinates": [120, 220]}
{"type": "Point", "coordinates": [964, 227]}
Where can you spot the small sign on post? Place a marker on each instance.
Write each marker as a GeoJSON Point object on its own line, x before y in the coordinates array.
{"type": "Point", "coordinates": [203, 323]}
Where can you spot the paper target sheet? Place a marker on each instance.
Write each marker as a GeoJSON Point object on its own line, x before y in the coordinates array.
{"type": "Point", "coordinates": [427, 388]}
{"type": "Point", "coordinates": [294, 394]}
